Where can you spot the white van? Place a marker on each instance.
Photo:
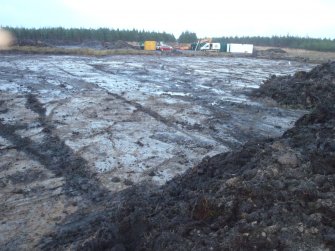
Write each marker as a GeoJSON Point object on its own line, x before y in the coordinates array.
{"type": "Point", "coordinates": [211, 47]}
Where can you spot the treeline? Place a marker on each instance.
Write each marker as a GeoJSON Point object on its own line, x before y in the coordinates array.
{"type": "Point", "coordinates": [187, 37]}
{"type": "Point", "coordinates": [110, 35]}
{"type": "Point", "coordinates": [307, 43]}
{"type": "Point", "coordinates": [82, 34]}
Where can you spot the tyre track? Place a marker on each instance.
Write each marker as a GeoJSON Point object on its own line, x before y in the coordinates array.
{"type": "Point", "coordinates": [55, 155]}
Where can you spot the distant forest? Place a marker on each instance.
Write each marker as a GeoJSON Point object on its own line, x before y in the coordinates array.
{"type": "Point", "coordinates": [82, 34]}
{"type": "Point", "coordinates": [110, 35]}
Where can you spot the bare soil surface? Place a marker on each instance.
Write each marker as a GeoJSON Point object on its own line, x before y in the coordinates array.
{"type": "Point", "coordinates": [293, 54]}
{"type": "Point", "coordinates": [270, 194]}
{"type": "Point", "coordinates": [87, 143]}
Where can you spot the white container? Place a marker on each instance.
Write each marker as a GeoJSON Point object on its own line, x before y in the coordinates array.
{"type": "Point", "coordinates": [240, 48]}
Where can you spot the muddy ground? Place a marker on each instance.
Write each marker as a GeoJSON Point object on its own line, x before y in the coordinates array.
{"type": "Point", "coordinates": [269, 194]}
{"type": "Point", "coordinates": [86, 144]}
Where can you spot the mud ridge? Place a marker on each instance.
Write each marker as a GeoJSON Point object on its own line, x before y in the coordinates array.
{"type": "Point", "coordinates": [303, 89]}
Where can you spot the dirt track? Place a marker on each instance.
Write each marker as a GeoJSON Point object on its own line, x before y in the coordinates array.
{"type": "Point", "coordinates": [76, 130]}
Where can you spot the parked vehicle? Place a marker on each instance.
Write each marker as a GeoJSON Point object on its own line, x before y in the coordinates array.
{"type": "Point", "coordinates": [163, 47]}
{"type": "Point", "coordinates": [211, 47]}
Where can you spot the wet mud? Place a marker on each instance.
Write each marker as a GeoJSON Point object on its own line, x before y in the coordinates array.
{"type": "Point", "coordinates": [270, 194]}
{"type": "Point", "coordinates": [88, 144]}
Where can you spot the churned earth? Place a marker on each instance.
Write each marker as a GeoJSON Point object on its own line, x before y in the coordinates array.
{"type": "Point", "coordinates": [269, 194]}
{"type": "Point", "coordinates": [86, 144]}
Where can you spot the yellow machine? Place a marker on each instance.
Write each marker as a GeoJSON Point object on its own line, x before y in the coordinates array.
{"type": "Point", "coordinates": [150, 45]}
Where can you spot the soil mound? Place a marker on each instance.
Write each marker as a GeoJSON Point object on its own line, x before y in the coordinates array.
{"type": "Point", "coordinates": [30, 42]}
{"type": "Point", "coordinates": [119, 45]}
{"type": "Point", "coordinates": [273, 194]}
{"type": "Point", "coordinates": [98, 45]}
{"type": "Point", "coordinates": [276, 50]}
{"type": "Point", "coordinates": [303, 89]}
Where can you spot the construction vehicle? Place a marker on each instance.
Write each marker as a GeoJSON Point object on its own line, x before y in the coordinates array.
{"type": "Point", "coordinates": [154, 45]}
{"type": "Point", "coordinates": [201, 42]}
{"type": "Point", "coordinates": [150, 45]}
{"type": "Point", "coordinates": [207, 45]}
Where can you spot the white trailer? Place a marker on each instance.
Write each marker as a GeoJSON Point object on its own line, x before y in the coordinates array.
{"type": "Point", "coordinates": [240, 48]}
{"type": "Point", "coordinates": [211, 47]}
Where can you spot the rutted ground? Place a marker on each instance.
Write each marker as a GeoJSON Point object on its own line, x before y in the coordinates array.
{"type": "Point", "coordinates": [269, 194]}
{"type": "Point", "coordinates": [75, 129]}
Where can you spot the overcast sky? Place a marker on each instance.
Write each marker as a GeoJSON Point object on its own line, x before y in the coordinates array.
{"type": "Point", "coordinates": [208, 18]}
